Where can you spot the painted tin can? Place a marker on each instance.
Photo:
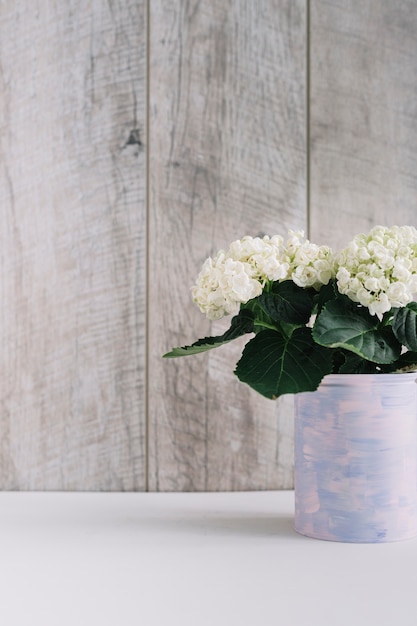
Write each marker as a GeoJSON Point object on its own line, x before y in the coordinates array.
{"type": "Point", "coordinates": [356, 458]}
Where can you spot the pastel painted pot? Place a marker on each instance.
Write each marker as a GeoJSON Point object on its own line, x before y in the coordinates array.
{"type": "Point", "coordinates": [356, 458]}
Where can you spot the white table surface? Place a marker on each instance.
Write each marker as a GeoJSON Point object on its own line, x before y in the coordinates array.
{"type": "Point", "coordinates": [123, 559]}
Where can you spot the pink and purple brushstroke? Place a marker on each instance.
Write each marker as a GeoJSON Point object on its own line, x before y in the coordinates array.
{"type": "Point", "coordinates": [356, 458]}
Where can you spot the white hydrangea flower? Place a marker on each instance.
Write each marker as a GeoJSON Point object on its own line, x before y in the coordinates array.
{"type": "Point", "coordinates": [293, 242]}
{"type": "Point", "coordinates": [234, 277]}
{"type": "Point", "coordinates": [222, 285]}
{"type": "Point", "coordinates": [379, 305]}
{"type": "Point", "coordinates": [401, 269]}
{"type": "Point", "coordinates": [310, 265]}
{"type": "Point", "coordinates": [398, 295]}
{"type": "Point", "coordinates": [304, 276]}
{"type": "Point", "coordinates": [264, 255]}
{"type": "Point", "coordinates": [379, 270]}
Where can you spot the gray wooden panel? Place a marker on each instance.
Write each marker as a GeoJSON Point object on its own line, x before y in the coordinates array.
{"type": "Point", "coordinates": [227, 158]}
{"type": "Point", "coordinates": [363, 116]}
{"type": "Point", "coordinates": [72, 245]}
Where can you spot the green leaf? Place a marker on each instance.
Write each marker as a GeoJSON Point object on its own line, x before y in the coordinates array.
{"type": "Point", "coordinates": [261, 319]}
{"type": "Point", "coordinates": [406, 363]}
{"type": "Point", "coordinates": [273, 364]}
{"type": "Point", "coordinates": [327, 292]}
{"type": "Point", "coordinates": [354, 329]}
{"type": "Point", "coordinates": [355, 364]}
{"type": "Point", "coordinates": [404, 325]}
{"type": "Point", "coordinates": [241, 325]}
{"type": "Point", "coordinates": [286, 302]}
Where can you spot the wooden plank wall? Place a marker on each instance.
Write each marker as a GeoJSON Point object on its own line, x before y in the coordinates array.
{"type": "Point", "coordinates": [227, 158]}
{"type": "Point", "coordinates": [72, 245]}
{"type": "Point", "coordinates": [136, 139]}
{"type": "Point", "coordinates": [363, 112]}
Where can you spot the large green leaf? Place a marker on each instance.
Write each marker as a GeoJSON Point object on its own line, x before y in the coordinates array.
{"type": "Point", "coordinates": [355, 364]}
{"type": "Point", "coordinates": [241, 325]}
{"type": "Point", "coordinates": [354, 329]}
{"type": "Point", "coordinates": [404, 325]}
{"type": "Point", "coordinates": [286, 302]}
{"type": "Point", "coordinates": [274, 364]}
{"type": "Point", "coordinates": [406, 363]}
{"type": "Point", "coordinates": [326, 293]}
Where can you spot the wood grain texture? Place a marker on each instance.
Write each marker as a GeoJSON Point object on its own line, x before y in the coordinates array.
{"type": "Point", "coordinates": [227, 155]}
{"type": "Point", "coordinates": [72, 245]}
{"type": "Point", "coordinates": [363, 116]}
{"type": "Point", "coordinates": [227, 158]}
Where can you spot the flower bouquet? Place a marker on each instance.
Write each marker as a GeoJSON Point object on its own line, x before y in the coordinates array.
{"type": "Point", "coordinates": [311, 312]}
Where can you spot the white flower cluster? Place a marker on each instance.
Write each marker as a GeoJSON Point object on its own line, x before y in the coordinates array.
{"type": "Point", "coordinates": [379, 270]}
{"type": "Point", "coordinates": [223, 284]}
{"type": "Point", "coordinates": [310, 265]}
{"type": "Point", "coordinates": [234, 277]}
